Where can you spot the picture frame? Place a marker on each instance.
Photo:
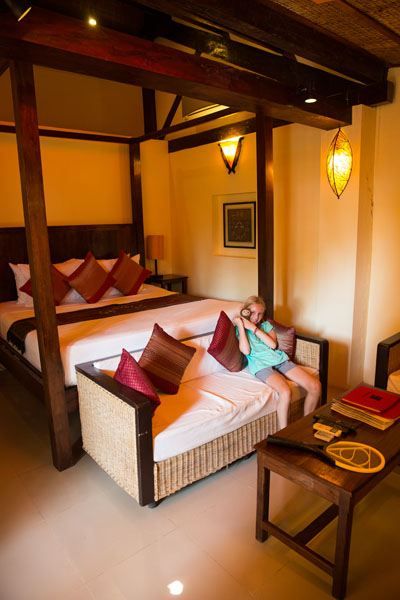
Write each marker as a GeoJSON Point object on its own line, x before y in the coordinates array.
{"type": "Point", "coordinates": [239, 224]}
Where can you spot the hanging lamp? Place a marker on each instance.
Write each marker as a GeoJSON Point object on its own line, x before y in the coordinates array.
{"type": "Point", "coordinates": [339, 163]}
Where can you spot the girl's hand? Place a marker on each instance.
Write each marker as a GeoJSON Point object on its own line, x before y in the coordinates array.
{"type": "Point", "coordinates": [248, 324]}
{"type": "Point", "coordinates": [237, 321]}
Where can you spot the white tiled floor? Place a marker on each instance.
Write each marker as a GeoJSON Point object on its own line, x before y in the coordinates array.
{"type": "Point", "coordinates": [76, 536]}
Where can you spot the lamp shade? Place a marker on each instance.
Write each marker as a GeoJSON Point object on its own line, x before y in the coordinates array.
{"type": "Point", "coordinates": [230, 152]}
{"type": "Point", "coordinates": [155, 247]}
{"type": "Point", "coordinates": [339, 163]}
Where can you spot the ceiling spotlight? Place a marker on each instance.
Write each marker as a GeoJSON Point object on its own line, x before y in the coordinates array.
{"type": "Point", "coordinates": [310, 99]}
{"type": "Point", "coordinates": [92, 21]}
{"type": "Point", "coordinates": [308, 94]}
{"type": "Point", "coordinates": [20, 8]}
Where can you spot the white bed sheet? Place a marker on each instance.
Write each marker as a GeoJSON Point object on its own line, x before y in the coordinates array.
{"type": "Point", "coordinates": [99, 338]}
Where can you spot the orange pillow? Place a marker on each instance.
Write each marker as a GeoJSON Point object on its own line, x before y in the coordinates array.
{"type": "Point", "coordinates": [90, 279]}
{"type": "Point", "coordinates": [60, 285]}
{"type": "Point", "coordinates": [128, 275]}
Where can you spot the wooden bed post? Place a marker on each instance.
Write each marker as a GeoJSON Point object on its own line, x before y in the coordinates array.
{"type": "Point", "coordinates": [265, 211]}
{"type": "Point", "coordinates": [136, 197]}
{"type": "Point", "coordinates": [23, 90]}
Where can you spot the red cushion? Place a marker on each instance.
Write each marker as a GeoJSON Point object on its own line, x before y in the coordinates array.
{"type": "Point", "coordinates": [225, 345]}
{"type": "Point", "coordinates": [286, 338]}
{"type": "Point", "coordinates": [128, 274]}
{"type": "Point", "coordinates": [90, 279]}
{"type": "Point", "coordinates": [131, 374]}
{"type": "Point", "coordinates": [165, 359]}
{"type": "Point", "coordinates": [60, 285]}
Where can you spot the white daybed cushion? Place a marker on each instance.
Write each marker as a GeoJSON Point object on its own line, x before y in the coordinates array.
{"type": "Point", "coordinates": [393, 384]}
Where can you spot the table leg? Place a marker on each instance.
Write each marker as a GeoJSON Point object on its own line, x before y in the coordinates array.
{"type": "Point", "coordinates": [263, 481]}
{"type": "Point", "coordinates": [342, 551]}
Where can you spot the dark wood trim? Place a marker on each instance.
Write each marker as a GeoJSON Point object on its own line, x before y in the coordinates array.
{"type": "Point", "coordinates": [385, 363]}
{"type": "Point", "coordinates": [217, 134]}
{"type": "Point", "coordinates": [3, 66]}
{"type": "Point", "coordinates": [24, 100]}
{"type": "Point", "coordinates": [72, 135]}
{"type": "Point", "coordinates": [265, 212]}
{"type": "Point", "coordinates": [268, 23]}
{"type": "Point", "coordinates": [161, 133]}
{"type": "Point", "coordinates": [52, 40]}
{"type": "Point", "coordinates": [136, 196]}
{"type": "Point", "coordinates": [172, 112]}
{"type": "Point", "coordinates": [149, 110]}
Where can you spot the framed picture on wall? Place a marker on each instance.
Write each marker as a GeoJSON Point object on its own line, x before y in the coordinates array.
{"type": "Point", "coordinates": [239, 222]}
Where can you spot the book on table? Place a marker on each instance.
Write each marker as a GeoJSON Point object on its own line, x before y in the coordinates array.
{"type": "Point", "coordinates": [372, 406]}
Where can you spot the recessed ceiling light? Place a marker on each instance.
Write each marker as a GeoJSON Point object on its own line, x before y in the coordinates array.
{"type": "Point", "coordinates": [310, 100]}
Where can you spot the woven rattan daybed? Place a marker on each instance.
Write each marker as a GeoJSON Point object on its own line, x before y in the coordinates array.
{"type": "Point", "coordinates": [118, 430]}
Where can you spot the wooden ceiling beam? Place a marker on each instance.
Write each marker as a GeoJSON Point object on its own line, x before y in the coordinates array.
{"type": "Point", "coordinates": [4, 64]}
{"type": "Point", "coordinates": [52, 40]}
{"type": "Point", "coordinates": [268, 23]}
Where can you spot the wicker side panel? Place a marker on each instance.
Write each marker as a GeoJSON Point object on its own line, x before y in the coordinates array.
{"type": "Point", "coordinates": [175, 473]}
{"type": "Point", "coordinates": [307, 354]}
{"type": "Point", "coordinates": [394, 359]}
{"type": "Point", "coordinates": [109, 433]}
{"type": "Point", "coordinates": [296, 410]}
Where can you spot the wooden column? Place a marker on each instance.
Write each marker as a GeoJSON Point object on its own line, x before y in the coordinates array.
{"type": "Point", "coordinates": [136, 196]}
{"type": "Point", "coordinates": [23, 90]}
{"type": "Point", "coordinates": [265, 211]}
{"type": "Point", "coordinates": [149, 110]}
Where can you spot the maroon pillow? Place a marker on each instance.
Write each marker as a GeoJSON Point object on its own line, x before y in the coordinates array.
{"type": "Point", "coordinates": [225, 345]}
{"type": "Point", "coordinates": [286, 338]}
{"type": "Point", "coordinates": [165, 359]}
{"type": "Point", "coordinates": [129, 373]}
{"type": "Point", "coordinates": [90, 279]}
{"type": "Point", "coordinates": [60, 285]}
{"type": "Point", "coordinates": [128, 274]}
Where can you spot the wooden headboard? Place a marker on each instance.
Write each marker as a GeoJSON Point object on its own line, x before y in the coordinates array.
{"type": "Point", "coordinates": [66, 241]}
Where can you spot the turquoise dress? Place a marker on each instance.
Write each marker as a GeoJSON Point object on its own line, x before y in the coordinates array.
{"type": "Point", "coordinates": [261, 355]}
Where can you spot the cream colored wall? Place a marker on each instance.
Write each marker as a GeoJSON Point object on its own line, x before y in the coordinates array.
{"type": "Point", "coordinates": [73, 101]}
{"type": "Point", "coordinates": [84, 182]}
{"type": "Point", "coordinates": [384, 312]}
{"type": "Point", "coordinates": [197, 175]}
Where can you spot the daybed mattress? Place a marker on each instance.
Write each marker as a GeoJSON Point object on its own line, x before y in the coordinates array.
{"type": "Point", "coordinates": [92, 340]}
{"type": "Point", "coordinates": [393, 384]}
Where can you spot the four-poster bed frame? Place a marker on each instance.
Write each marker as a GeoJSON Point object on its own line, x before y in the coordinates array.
{"type": "Point", "coordinates": [52, 40]}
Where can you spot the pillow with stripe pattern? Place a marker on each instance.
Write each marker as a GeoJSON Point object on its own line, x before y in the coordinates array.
{"type": "Point", "coordinates": [224, 346]}
{"type": "Point", "coordinates": [90, 279]}
{"type": "Point", "coordinates": [131, 374]}
{"type": "Point", "coordinates": [286, 338]}
{"type": "Point", "coordinates": [164, 360]}
{"type": "Point", "coordinates": [60, 285]}
{"type": "Point", "coordinates": [128, 274]}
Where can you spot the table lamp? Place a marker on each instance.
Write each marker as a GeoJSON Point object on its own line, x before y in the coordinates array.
{"type": "Point", "coordinates": [155, 249]}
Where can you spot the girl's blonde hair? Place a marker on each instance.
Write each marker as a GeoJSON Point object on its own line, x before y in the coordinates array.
{"type": "Point", "coordinates": [254, 300]}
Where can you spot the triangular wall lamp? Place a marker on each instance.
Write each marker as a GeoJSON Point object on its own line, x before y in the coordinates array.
{"type": "Point", "coordinates": [339, 163]}
{"type": "Point", "coordinates": [230, 152]}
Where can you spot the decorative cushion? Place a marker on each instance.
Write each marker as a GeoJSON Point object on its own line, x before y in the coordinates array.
{"type": "Point", "coordinates": [128, 275]}
{"type": "Point", "coordinates": [59, 282]}
{"type": "Point", "coordinates": [90, 279]}
{"type": "Point", "coordinates": [286, 338]}
{"type": "Point", "coordinates": [165, 359]}
{"type": "Point", "coordinates": [131, 374]}
{"type": "Point", "coordinates": [22, 274]}
{"type": "Point", "coordinates": [67, 268]}
{"type": "Point", "coordinates": [225, 345]}
{"type": "Point", "coordinates": [107, 265]}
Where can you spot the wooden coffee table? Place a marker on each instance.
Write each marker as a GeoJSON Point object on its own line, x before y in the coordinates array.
{"type": "Point", "coordinates": [341, 487]}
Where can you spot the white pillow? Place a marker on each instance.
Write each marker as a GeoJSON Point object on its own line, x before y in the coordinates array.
{"type": "Point", "coordinates": [22, 274]}
{"type": "Point", "coordinates": [67, 268]}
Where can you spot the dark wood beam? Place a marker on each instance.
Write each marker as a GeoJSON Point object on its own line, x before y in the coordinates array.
{"type": "Point", "coordinates": [265, 212]}
{"type": "Point", "coordinates": [217, 134]}
{"type": "Point", "coordinates": [135, 170]}
{"type": "Point", "coordinates": [149, 110]}
{"type": "Point", "coordinates": [161, 133]}
{"type": "Point", "coordinates": [172, 112]}
{"type": "Point", "coordinates": [269, 23]}
{"type": "Point", "coordinates": [60, 42]}
{"type": "Point", "coordinates": [23, 90]}
{"type": "Point", "coordinates": [72, 135]}
{"type": "Point", "coordinates": [3, 66]}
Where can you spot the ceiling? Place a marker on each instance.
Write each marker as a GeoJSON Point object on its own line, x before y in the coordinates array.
{"type": "Point", "coordinates": [340, 49]}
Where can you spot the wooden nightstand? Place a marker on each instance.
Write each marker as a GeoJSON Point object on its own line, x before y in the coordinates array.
{"type": "Point", "coordinates": [173, 283]}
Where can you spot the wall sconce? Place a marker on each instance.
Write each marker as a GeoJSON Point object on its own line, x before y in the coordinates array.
{"type": "Point", "coordinates": [155, 249]}
{"type": "Point", "coordinates": [230, 151]}
{"type": "Point", "coordinates": [339, 163]}
{"type": "Point", "coordinates": [19, 8]}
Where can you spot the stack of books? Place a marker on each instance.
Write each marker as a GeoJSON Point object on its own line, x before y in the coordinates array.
{"type": "Point", "coordinates": [373, 406]}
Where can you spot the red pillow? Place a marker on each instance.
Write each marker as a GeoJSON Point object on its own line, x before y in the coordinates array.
{"type": "Point", "coordinates": [128, 274]}
{"type": "Point", "coordinates": [90, 279]}
{"type": "Point", "coordinates": [165, 359]}
{"type": "Point", "coordinates": [286, 338]}
{"type": "Point", "coordinates": [59, 283]}
{"type": "Point", "coordinates": [225, 345]}
{"type": "Point", "coordinates": [130, 373]}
